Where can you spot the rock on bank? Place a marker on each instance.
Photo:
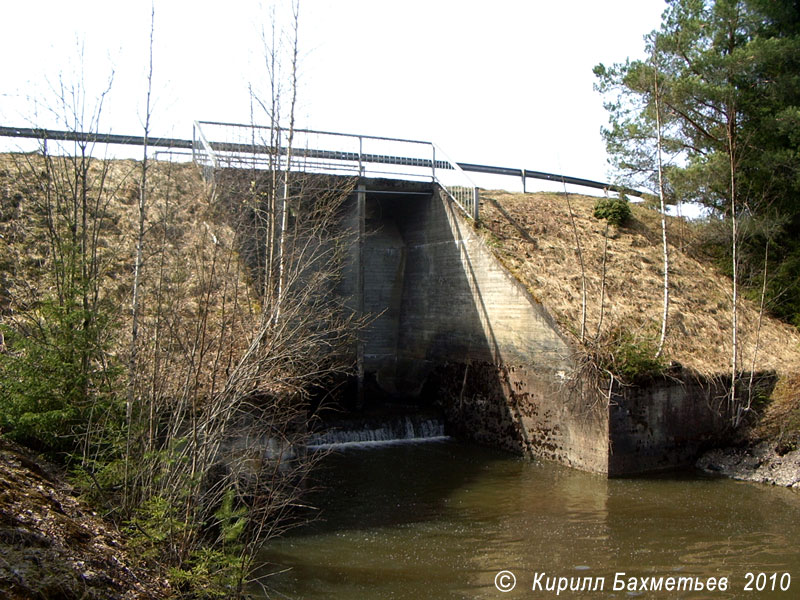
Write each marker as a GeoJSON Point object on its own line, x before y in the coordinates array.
{"type": "Point", "coordinates": [761, 463]}
{"type": "Point", "coordinates": [53, 546]}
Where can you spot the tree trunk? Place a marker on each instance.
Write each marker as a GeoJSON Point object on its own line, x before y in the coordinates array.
{"type": "Point", "coordinates": [665, 311]}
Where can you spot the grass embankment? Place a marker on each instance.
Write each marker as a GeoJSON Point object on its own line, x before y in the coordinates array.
{"type": "Point", "coordinates": [624, 289]}
{"type": "Point", "coordinates": [52, 544]}
{"type": "Point", "coordinates": [164, 425]}
{"type": "Point", "coordinates": [67, 252]}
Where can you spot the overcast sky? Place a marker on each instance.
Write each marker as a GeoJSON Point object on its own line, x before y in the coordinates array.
{"type": "Point", "coordinates": [500, 82]}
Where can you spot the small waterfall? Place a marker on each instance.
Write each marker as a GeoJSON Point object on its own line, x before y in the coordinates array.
{"type": "Point", "coordinates": [400, 430]}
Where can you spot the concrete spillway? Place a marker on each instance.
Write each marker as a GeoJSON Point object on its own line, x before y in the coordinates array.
{"type": "Point", "coordinates": [454, 326]}
{"type": "Point", "coordinates": [405, 429]}
{"type": "Point", "coordinates": [442, 297]}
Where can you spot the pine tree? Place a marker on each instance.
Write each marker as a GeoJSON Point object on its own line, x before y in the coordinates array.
{"type": "Point", "coordinates": [730, 99]}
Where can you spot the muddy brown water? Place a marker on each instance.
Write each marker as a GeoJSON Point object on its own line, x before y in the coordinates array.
{"type": "Point", "coordinates": [442, 519]}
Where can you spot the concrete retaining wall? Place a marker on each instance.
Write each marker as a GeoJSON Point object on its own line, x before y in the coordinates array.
{"type": "Point", "coordinates": [668, 421]}
{"type": "Point", "coordinates": [455, 328]}
{"type": "Point", "coordinates": [452, 327]}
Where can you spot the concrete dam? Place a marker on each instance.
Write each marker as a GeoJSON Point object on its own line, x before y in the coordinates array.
{"type": "Point", "coordinates": [453, 328]}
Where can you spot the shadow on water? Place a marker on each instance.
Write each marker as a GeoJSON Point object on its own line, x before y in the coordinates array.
{"type": "Point", "coordinates": [393, 485]}
{"type": "Point", "coordinates": [439, 520]}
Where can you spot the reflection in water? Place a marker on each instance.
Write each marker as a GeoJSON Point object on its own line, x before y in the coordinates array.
{"type": "Point", "coordinates": [439, 520]}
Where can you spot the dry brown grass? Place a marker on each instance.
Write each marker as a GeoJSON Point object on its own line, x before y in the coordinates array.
{"type": "Point", "coordinates": [546, 263]}
{"type": "Point", "coordinates": [781, 417]}
{"type": "Point", "coordinates": [190, 265]}
{"type": "Point", "coordinates": [699, 334]}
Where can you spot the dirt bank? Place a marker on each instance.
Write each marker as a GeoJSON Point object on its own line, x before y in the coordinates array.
{"type": "Point", "coordinates": [54, 546]}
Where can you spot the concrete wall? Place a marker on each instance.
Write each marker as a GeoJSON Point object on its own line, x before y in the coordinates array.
{"type": "Point", "coordinates": [668, 421]}
{"type": "Point", "coordinates": [663, 424]}
{"type": "Point", "coordinates": [452, 327]}
{"type": "Point", "coordinates": [460, 303]}
{"type": "Point", "coordinates": [455, 328]}
{"type": "Point", "coordinates": [384, 276]}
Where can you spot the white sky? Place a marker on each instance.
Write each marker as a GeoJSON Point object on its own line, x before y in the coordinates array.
{"type": "Point", "coordinates": [499, 82]}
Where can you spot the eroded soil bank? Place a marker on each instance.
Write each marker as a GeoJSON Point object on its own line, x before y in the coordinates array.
{"type": "Point", "coordinates": [53, 546]}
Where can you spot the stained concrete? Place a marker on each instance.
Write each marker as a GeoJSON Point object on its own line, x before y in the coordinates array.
{"type": "Point", "coordinates": [668, 421]}
{"type": "Point", "coordinates": [451, 326]}
{"type": "Point", "coordinates": [455, 327]}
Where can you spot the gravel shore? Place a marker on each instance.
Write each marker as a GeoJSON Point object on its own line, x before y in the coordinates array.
{"type": "Point", "coordinates": [760, 463]}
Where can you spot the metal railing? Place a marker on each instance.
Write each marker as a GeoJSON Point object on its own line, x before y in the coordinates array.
{"type": "Point", "coordinates": [232, 145]}
{"type": "Point", "coordinates": [456, 184]}
{"type": "Point", "coordinates": [201, 153]}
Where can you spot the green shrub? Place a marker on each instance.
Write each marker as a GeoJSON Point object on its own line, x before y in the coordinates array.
{"type": "Point", "coordinates": [202, 560]}
{"type": "Point", "coordinates": [57, 382]}
{"type": "Point", "coordinates": [635, 360]}
{"type": "Point", "coordinates": [616, 211]}
{"type": "Point", "coordinates": [630, 357]}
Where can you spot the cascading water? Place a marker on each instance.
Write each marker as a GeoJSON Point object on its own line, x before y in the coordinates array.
{"type": "Point", "coordinates": [406, 429]}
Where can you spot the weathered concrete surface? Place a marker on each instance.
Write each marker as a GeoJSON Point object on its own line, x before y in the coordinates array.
{"type": "Point", "coordinates": [664, 423]}
{"type": "Point", "coordinates": [459, 303]}
{"type": "Point", "coordinates": [455, 328]}
{"type": "Point", "coordinates": [516, 408]}
{"type": "Point", "coordinates": [667, 422]}
{"type": "Point", "coordinates": [452, 326]}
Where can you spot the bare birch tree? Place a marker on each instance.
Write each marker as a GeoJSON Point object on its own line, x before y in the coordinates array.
{"type": "Point", "coordinates": [659, 166]}
{"type": "Point", "coordinates": [229, 464]}
{"type": "Point", "coordinates": [133, 367]}
{"type": "Point", "coordinates": [579, 253]}
{"type": "Point", "coordinates": [290, 143]}
{"type": "Point", "coordinates": [730, 129]}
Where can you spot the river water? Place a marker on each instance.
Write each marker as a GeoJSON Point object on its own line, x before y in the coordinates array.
{"type": "Point", "coordinates": [441, 519]}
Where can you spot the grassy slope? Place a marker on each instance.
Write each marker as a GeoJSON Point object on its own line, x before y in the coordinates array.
{"type": "Point", "coordinates": [51, 544]}
{"type": "Point", "coordinates": [185, 255]}
{"type": "Point", "coordinates": [700, 306]}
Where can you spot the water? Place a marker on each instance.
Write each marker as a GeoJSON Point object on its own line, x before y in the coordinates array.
{"type": "Point", "coordinates": [440, 520]}
{"type": "Point", "coordinates": [401, 430]}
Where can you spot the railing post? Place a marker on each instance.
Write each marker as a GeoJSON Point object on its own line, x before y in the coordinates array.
{"type": "Point", "coordinates": [524, 180]}
{"type": "Point", "coordinates": [360, 153]}
{"type": "Point", "coordinates": [476, 198]}
{"type": "Point", "coordinates": [361, 209]}
{"type": "Point", "coordinates": [433, 163]}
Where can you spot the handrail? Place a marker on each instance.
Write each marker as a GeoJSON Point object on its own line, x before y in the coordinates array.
{"type": "Point", "coordinates": [423, 163]}
{"type": "Point", "coordinates": [203, 149]}
{"type": "Point", "coordinates": [318, 131]}
{"type": "Point", "coordinates": [328, 151]}
{"type": "Point", "coordinates": [462, 191]}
